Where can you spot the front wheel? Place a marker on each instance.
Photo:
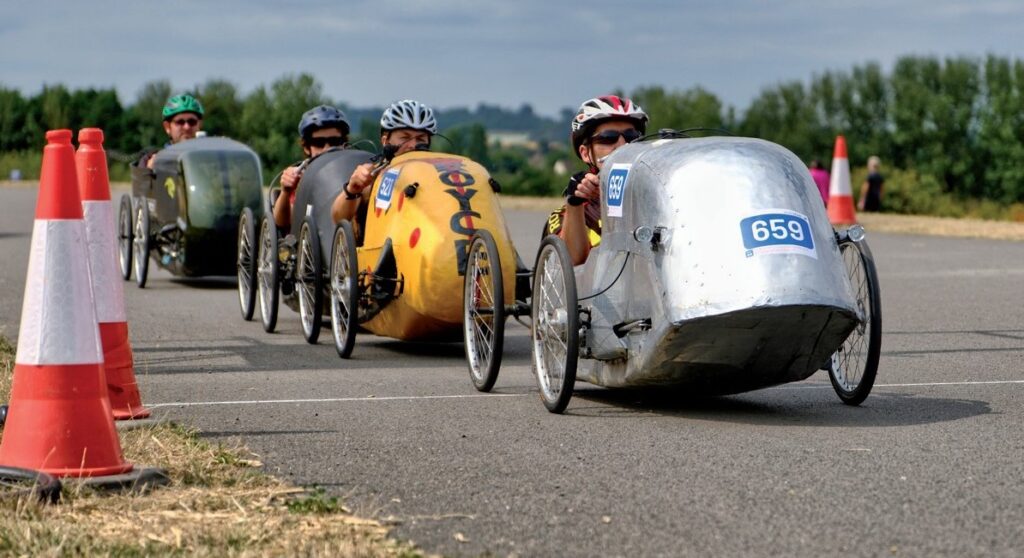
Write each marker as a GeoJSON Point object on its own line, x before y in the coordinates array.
{"type": "Point", "coordinates": [853, 367]}
{"type": "Point", "coordinates": [141, 243]}
{"type": "Point", "coordinates": [309, 281]}
{"type": "Point", "coordinates": [483, 314]}
{"type": "Point", "coordinates": [246, 263]}
{"type": "Point", "coordinates": [555, 328]}
{"type": "Point", "coordinates": [268, 269]}
{"type": "Point", "coordinates": [125, 236]}
{"type": "Point", "coordinates": [344, 289]}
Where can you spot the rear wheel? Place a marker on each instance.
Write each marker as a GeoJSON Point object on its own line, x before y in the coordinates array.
{"type": "Point", "coordinates": [141, 243]}
{"type": "Point", "coordinates": [246, 263]}
{"type": "Point", "coordinates": [555, 320]}
{"type": "Point", "coordinates": [854, 366]}
{"type": "Point", "coordinates": [309, 281]}
{"type": "Point", "coordinates": [268, 267]}
{"type": "Point", "coordinates": [125, 234]}
{"type": "Point", "coordinates": [344, 289]}
{"type": "Point", "coordinates": [483, 318]}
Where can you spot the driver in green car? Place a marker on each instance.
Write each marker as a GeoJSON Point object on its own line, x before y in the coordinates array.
{"type": "Point", "coordinates": [183, 119]}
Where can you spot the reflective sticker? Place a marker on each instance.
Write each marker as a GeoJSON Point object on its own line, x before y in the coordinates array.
{"type": "Point", "coordinates": [617, 178]}
{"type": "Point", "coordinates": [58, 316]}
{"type": "Point", "coordinates": [777, 231]}
{"type": "Point", "coordinates": [387, 187]}
{"type": "Point", "coordinates": [107, 285]}
{"type": "Point", "coordinates": [170, 186]}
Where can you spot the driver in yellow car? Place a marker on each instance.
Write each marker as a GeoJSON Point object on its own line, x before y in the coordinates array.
{"type": "Point", "coordinates": [405, 126]}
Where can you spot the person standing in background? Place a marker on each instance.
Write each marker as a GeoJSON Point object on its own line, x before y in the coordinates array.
{"type": "Point", "coordinates": [821, 178]}
{"type": "Point", "coordinates": [871, 190]}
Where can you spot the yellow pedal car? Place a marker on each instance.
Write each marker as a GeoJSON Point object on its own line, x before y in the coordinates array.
{"type": "Point", "coordinates": [405, 278]}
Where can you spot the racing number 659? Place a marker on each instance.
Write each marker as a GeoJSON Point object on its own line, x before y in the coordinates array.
{"type": "Point", "coordinates": [778, 228]}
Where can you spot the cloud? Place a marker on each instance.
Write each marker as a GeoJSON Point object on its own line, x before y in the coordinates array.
{"type": "Point", "coordinates": [462, 52]}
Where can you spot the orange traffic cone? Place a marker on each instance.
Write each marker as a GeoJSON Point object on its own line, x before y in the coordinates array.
{"type": "Point", "coordinates": [107, 287]}
{"type": "Point", "coordinates": [840, 195]}
{"type": "Point", "coordinates": [59, 419]}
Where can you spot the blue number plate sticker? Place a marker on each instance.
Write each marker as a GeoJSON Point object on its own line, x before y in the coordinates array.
{"type": "Point", "coordinates": [387, 187]}
{"type": "Point", "coordinates": [617, 179]}
{"type": "Point", "coordinates": [779, 231]}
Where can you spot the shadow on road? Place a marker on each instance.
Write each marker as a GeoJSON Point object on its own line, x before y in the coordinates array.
{"type": "Point", "coordinates": [816, 408]}
{"type": "Point", "coordinates": [218, 282]}
{"type": "Point", "coordinates": [277, 352]}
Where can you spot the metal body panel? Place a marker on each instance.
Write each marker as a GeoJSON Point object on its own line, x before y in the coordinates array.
{"type": "Point", "coordinates": [742, 284]}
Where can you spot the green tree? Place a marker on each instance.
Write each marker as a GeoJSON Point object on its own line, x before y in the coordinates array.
{"type": "Point", "coordinates": [785, 115]}
{"type": "Point", "coordinates": [222, 105]}
{"type": "Point", "coordinates": [470, 140]}
{"type": "Point", "coordinates": [693, 108]}
{"type": "Point", "coordinates": [144, 118]}
{"type": "Point", "coordinates": [14, 110]}
{"type": "Point", "coordinates": [1000, 136]}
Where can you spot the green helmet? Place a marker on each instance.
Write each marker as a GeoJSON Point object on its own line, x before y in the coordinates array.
{"type": "Point", "coordinates": [182, 103]}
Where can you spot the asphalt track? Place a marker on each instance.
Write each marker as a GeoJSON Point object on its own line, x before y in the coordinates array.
{"type": "Point", "coordinates": [932, 464]}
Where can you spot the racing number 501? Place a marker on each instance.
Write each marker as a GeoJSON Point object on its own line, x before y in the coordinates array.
{"type": "Point", "coordinates": [777, 228]}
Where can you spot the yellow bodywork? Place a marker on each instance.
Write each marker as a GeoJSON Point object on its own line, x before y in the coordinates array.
{"type": "Point", "coordinates": [430, 234]}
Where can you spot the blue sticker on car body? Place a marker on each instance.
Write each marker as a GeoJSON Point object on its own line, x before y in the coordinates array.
{"type": "Point", "coordinates": [777, 231]}
{"type": "Point", "coordinates": [386, 189]}
{"type": "Point", "coordinates": [618, 179]}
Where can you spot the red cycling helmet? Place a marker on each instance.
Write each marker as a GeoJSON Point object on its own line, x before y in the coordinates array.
{"type": "Point", "coordinates": [600, 109]}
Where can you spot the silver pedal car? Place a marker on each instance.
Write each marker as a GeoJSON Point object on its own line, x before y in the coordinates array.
{"type": "Point", "coordinates": [718, 272]}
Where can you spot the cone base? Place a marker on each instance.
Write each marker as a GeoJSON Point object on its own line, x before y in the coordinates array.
{"type": "Point", "coordinates": [60, 422]}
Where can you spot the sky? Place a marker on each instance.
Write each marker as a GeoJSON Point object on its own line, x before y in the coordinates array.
{"type": "Point", "coordinates": [448, 53]}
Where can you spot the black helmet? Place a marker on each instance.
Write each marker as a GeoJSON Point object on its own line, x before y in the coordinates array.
{"type": "Point", "coordinates": [320, 117]}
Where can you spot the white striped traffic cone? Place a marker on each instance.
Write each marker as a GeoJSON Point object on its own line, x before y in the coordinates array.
{"type": "Point", "coordinates": [107, 287]}
{"type": "Point", "coordinates": [840, 194]}
{"type": "Point", "coordinates": [59, 419]}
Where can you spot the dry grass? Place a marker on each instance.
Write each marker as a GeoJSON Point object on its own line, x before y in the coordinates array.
{"type": "Point", "coordinates": [219, 503]}
{"type": "Point", "coordinates": [941, 226]}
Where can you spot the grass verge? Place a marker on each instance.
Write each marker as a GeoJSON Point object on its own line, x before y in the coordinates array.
{"type": "Point", "coordinates": [219, 503]}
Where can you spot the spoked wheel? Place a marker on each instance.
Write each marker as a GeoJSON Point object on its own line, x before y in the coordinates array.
{"type": "Point", "coordinates": [309, 281]}
{"type": "Point", "coordinates": [555, 319]}
{"type": "Point", "coordinates": [140, 243]}
{"type": "Point", "coordinates": [18, 483]}
{"type": "Point", "coordinates": [125, 234]}
{"type": "Point", "coordinates": [344, 289]}
{"type": "Point", "coordinates": [483, 314]}
{"type": "Point", "coordinates": [268, 267]}
{"type": "Point", "coordinates": [246, 263]}
{"type": "Point", "coordinates": [855, 364]}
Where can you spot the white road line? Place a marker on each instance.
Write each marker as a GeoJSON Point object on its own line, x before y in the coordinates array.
{"type": "Point", "coordinates": [922, 384]}
{"type": "Point", "coordinates": [965, 383]}
{"type": "Point", "coordinates": [332, 400]}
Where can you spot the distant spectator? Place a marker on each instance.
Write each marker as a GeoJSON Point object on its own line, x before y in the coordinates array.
{"type": "Point", "coordinates": [821, 178]}
{"type": "Point", "coordinates": [871, 190]}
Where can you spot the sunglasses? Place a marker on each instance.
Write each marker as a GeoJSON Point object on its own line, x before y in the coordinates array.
{"type": "Point", "coordinates": [183, 121]}
{"type": "Point", "coordinates": [611, 137]}
{"type": "Point", "coordinates": [332, 141]}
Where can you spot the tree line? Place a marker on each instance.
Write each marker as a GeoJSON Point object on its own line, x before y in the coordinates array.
{"type": "Point", "coordinates": [953, 126]}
